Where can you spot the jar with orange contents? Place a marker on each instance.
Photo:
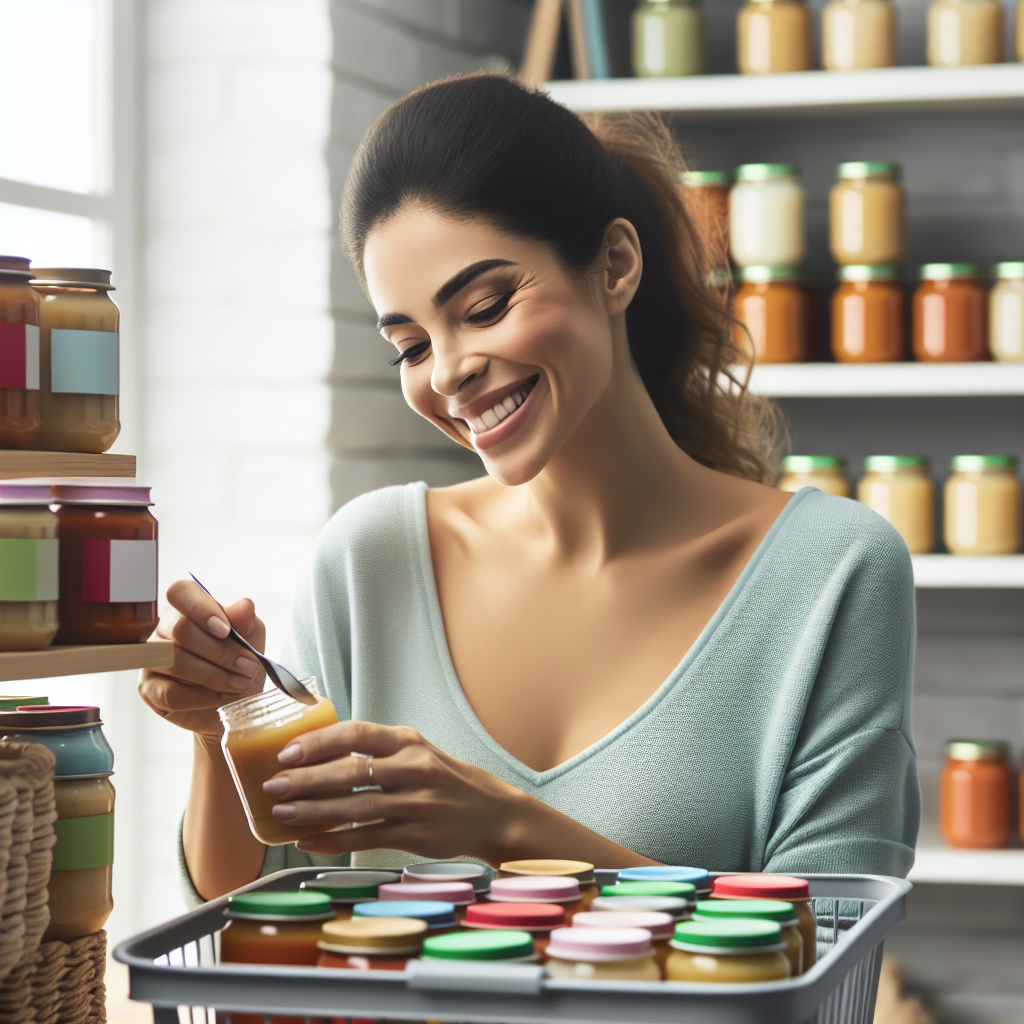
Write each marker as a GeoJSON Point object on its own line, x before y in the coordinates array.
{"type": "Point", "coordinates": [974, 794]}
{"type": "Point", "coordinates": [867, 315]}
{"type": "Point", "coordinates": [705, 195]}
{"type": "Point", "coordinates": [950, 314]}
{"type": "Point", "coordinates": [19, 354]}
{"type": "Point", "coordinates": [771, 309]}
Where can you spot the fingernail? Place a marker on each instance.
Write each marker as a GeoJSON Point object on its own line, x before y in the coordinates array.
{"type": "Point", "coordinates": [218, 627]}
{"type": "Point", "coordinates": [284, 812]}
{"type": "Point", "coordinates": [247, 666]}
{"type": "Point", "coordinates": [277, 786]}
{"type": "Point", "coordinates": [290, 754]}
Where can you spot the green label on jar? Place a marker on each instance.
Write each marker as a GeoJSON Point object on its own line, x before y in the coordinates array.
{"type": "Point", "coordinates": [28, 569]}
{"type": "Point", "coordinates": [84, 842]}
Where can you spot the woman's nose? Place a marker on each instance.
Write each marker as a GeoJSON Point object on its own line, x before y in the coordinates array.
{"type": "Point", "coordinates": [453, 370]}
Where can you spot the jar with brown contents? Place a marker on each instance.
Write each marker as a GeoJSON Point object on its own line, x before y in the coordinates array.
{"type": "Point", "coordinates": [19, 354]}
{"type": "Point", "coordinates": [857, 34]}
{"type": "Point", "coordinates": [773, 36]}
{"type": "Point", "coordinates": [866, 214]}
{"type": "Point", "coordinates": [900, 489]}
{"type": "Point", "coordinates": [983, 505]}
{"type": "Point", "coordinates": [78, 361]}
{"type": "Point", "coordinates": [705, 195]}
{"type": "Point", "coordinates": [771, 307]}
{"type": "Point", "coordinates": [962, 32]}
{"type": "Point", "coordinates": [950, 314]}
{"type": "Point", "coordinates": [867, 315]}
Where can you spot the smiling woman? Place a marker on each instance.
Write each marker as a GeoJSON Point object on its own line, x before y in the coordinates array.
{"type": "Point", "coordinates": [620, 646]}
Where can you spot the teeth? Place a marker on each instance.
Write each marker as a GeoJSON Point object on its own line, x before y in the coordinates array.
{"type": "Point", "coordinates": [493, 416]}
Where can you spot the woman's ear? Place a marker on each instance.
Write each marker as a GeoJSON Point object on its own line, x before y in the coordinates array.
{"type": "Point", "coordinates": [623, 265]}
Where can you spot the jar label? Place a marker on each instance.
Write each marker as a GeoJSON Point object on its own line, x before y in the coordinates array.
{"type": "Point", "coordinates": [83, 362]}
{"type": "Point", "coordinates": [84, 842]}
{"type": "Point", "coordinates": [28, 569]}
{"type": "Point", "coordinates": [19, 356]}
{"type": "Point", "coordinates": [118, 570]}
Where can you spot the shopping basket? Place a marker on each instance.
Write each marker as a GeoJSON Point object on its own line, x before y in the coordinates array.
{"type": "Point", "coordinates": [175, 968]}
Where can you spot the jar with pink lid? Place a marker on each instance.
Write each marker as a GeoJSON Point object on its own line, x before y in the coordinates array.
{"type": "Point", "coordinates": [459, 894]}
{"type": "Point", "coordinates": [602, 954]}
{"type": "Point", "coordinates": [563, 891]}
{"type": "Point", "coordinates": [661, 926]}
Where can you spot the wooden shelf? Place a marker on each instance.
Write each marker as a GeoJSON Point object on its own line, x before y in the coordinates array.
{"type": "Point", "coordinates": [75, 660]}
{"type": "Point", "coordinates": [20, 464]}
{"type": "Point", "coordinates": [998, 572]}
{"type": "Point", "coordinates": [940, 864]}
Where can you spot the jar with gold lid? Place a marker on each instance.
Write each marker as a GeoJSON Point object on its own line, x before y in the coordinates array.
{"type": "Point", "coordinates": [773, 36]}
{"type": "Point", "coordinates": [901, 490]}
{"type": "Point", "coordinates": [826, 472]}
{"type": "Point", "coordinates": [866, 214]}
{"type": "Point", "coordinates": [19, 354]}
{"type": "Point", "coordinates": [857, 34]}
{"type": "Point", "coordinates": [983, 505]}
{"type": "Point", "coordinates": [963, 32]}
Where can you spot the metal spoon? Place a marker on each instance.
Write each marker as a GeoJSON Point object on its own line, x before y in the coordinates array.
{"type": "Point", "coordinates": [279, 675]}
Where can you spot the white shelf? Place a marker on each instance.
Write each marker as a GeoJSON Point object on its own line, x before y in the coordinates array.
{"type": "Point", "coordinates": [917, 89]}
{"type": "Point", "coordinates": [999, 572]}
{"type": "Point", "coordinates": [941, 864]}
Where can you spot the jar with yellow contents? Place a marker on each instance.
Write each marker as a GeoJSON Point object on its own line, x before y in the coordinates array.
{"type": "Point", "coordinates": [901, 490]}
{"type": "Point", "coordinates": [826, 472]}
{"type": "Point", "coordinates": [983, 505]}
{"type": "Point", "coordinates": [742, 951]}
{"type": "Point", "coordinates": [866, 214]}
{"type": "Point", "coordinates": [773, 36]}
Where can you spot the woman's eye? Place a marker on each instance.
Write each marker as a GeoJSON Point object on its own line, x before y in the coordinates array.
{"type": "Point", "coordinates": [490, 312]}
{"type": "Point", "coordinates": [412, 354]}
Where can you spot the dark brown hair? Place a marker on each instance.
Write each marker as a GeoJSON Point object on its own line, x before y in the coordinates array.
{"type": "Point", "coordinates": [485, 145]}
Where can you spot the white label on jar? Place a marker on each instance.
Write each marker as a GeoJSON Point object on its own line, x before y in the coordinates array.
{"type": "Point", "coordinates": [19, 356]}
{"type": "Point", "coordinates": [83, 362]}
{"type": "Point", "coordinates": [118, 570]}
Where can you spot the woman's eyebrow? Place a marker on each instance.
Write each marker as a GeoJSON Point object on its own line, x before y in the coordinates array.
{"type": "Point", "coordinates": [455, 284]}
{"type": "Point", "coordinates": [392, 319]}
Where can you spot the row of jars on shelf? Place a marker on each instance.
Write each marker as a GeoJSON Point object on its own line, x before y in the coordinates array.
{"type": "Point", "coordinates": [59, 358]}
{"type": "Point", "coordinates": [976, 795]}
{"type": "Point", "coordinates": [981, 497]}
{"type": "Point", "coordinates": [774, 36]}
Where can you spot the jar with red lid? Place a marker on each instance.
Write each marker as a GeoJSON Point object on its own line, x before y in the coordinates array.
{"type": "Point", "coordinates": [108, 563]}
{"type": "Point", "coordinates": [539, 919]}
{"type": "Point", "coordinates": [974, 794]}
{"type": "Point", "coordinates": [867, 315]}
{"type": "Point", "coordinates": [950, 314]}
{"type": "Point", "coordinates": [19, 354]}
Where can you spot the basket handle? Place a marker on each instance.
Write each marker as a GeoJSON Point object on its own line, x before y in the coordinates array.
{"type": "Point", "coordinates": [513, 979]}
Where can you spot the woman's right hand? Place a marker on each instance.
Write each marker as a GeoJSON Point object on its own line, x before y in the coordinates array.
{"type": "Point", "coordinates": [209, 670]}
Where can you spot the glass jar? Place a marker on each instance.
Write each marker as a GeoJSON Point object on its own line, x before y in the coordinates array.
{"type": "Point", "coordinates": [676, 890]}
{"type": "Point", "coordinates": [1020, 56]}
{"type": "Point", "coordinates": [1006, 313]}
{"type": "Point", "coordinates": [370, 944]}
{"type": "Point", "coordinates": [668, 38]}
{"type": "Point", "coordinates": [74, 735]}
{"type": "Point", "coordinates": [459, 894]}
{"type": "Point", "coordinates": [866, 214]}
{"type": "Point", "coordinates": [699, 878]}
{"type": "Point", "coordinates": [766, 215]}
{"type": "Point", "coordinates": [771, 311]}
{"type": "Point", "coordinates": [950, 314]}
{"type": "Point", "coordinates": [108, 564]}
{"type": "Point", "coordinates": [901, 490]}
{"type": "Point", "coordinates": [826, 472]}
{"type": "Point", "coordinates": [763, 910]}
{"type": "Point", "coordinates": [964, 32]}
{"type": "Point", "coordinates": [974, 794]}
{"type": "Point", "coordinates": [490, 945]}
{"type": "Point", "coordinates": [274, 927]}
{"type": "Point", "coordinates": [539, 889]}
{"type": "Point", "coordinates": [602, 954]}
{"type": "Point", "coordinates": [867, 316]}
{"type": "Point", "coordinates": [705, 195]}
{"type": "Point", "coordinates": [982, 506]}
{"type": "Point", "coordinates": [773, 36]}
{"type": "Point", "coordinates": [256, 730]}
{"type": "Point", "coordinates": [78, 361]}
{"type": "Point", "coordinates": [539, 919]}
{"type": "Point", "coordinates": [19, 354]}
{"type": "Point", "coordinates": [28, 568]}
{"type": "Point", "coordinates": [438, 916]}
{"type": "Point", "coordinates": [857, 34]}
{"type": "Point", "coordinates": [578, 869]}
{"type": "Point", "coordinates": [660, 926]}
{"type": "Point", "coordinates": [677, 909]}
{"type": "Point", "coordinates": [347, 888]}
{"type": "Point", "coordinates": [450, 871]}
{"type": "Point", "coordinates": [742, 951]}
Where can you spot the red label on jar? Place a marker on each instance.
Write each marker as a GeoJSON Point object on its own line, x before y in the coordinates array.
{"type": "Point", "coordinates": [19, 356]}
{"type": "Point", "coordinates": [118, 570]}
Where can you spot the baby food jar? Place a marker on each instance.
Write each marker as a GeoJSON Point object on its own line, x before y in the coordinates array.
{"type": "Point", "coordinates": [602, 954]}
{"type": "Point", "coordinates": [766, 214]}
{"type": "Point", "coordinates": [370, 943]}
{"type": "Point", "coordinates": [274, 927]}
{"type": "Point", "coordinates": [28, 567]}
{"type": "Point", "coordinates": [974, 794]}
{"type": "Point", "coordinates": [439, 917]}
{"type": "Point", "coordinates": [78, 361]}
{"type": "Point", "coordinates": [950, 314]}
{"type": "Point", "coordinates": [578, 869]}
{"type": "Point", "coordinates": [982, 506]}
{"type": "Point", "coordinates": [866, 218]}
{"type": "Point", "coordinates": [74, 734]}
{"type": "Point", "coordinates": [773, 36]}
{"type": "Point", "coordinates": [764, 910]}
{"type": "Point", "coordinates": [697, 877]}
{"type": "Point", "coordinates": [964, 32]}
{"type": "Point", "coordinates": [453, 871]}
{"type": "Point", "coordinates": [539, 919]}
{"type": "Point", "coordinates": [867, 315]}
{"type": "Point", "coordinates": [347, 888]}
{"type": "Point", "coordinates": [901, 490]}
{"type": "Point", "coordinates": [668, 38]}
{"type": "Point", "coordinates": [661, 928]}
{"type": "Point", "coordinates": [538, 889]}
{"type": "Point", "coordinates": [19, 354]}
{"type": "Point", "coordinates": [108, 560]}
{"type": "Point", "coordinates": [256, 730]}
{"type": "Point", "coordinates": [493, 946]}
{"type": "Point", "coordinates": [729, 952]}
{"type": "Point", "coordinates": [772, 312]}
{"type": "Point", "coordinates": [677, 890]}
{"type": "Point", "coordinates": [826, 472]}
{"type": "Point", "coordinates": [705, 195]}
{"type": "Point", "coordinates": [857, 34]}
{"type": "Point", "coordinates": [1006, 314]}
{"type": "Point", "coordinates": [676, 908]}
{"type": "Point", "coordinates": [459, 894]}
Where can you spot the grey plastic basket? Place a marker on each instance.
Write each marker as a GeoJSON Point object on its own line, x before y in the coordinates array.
{"type": "Point", "coordinates": [174, 967]}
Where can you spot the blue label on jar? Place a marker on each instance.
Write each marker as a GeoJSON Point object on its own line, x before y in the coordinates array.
{"type": "Point", "coordinates": [83, 362]}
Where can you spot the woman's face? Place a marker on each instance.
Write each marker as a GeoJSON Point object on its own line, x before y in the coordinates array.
{"type": "Point", "coordinates": [499, 346]}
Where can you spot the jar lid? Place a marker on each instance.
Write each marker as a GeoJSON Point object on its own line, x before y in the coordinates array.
{"type": "Point", "coordinates": [450, 871]}
{"type": "Point", "coordinates": [681, 890]}
{"type": "Point", "coordinates": [280, 905]}
{"type": "Point", "coordinates": [535, 889]}
{"type": "Point", "coordinates": [25, 494]}
{"type": "Point", "coordinates": [944, 271]}
{"type": "Point", "coordinates": [1009, 270]}
{"type": "Point", "coordinates": [728, 910]}
{"type": "Point", "coordinates": [492, 944]}
{"type": "Point", "coordinates": [531, 916]}
{"type": "Point", "coordinates": [459, 893]}
{"type": "Point", "coordinates": [16, 266]}
{"type": "Point", "coordinates": [869, 272]}
{"type": "Point", "coordinates": [763, 172]}
{"type": "Point", "coordinates": [599, 944]}
{"type": "Point", "coordinates": [777, 887]}
{"type": "Point", "coordinates": [978, 463]}
{"type": "Point", "coordinates": [660, 925]}
{"type": "Point", "coordinates": [977, 750]}
{"type": "Point", "coordinates": [694, 179]}
{"type": "Point", "coordinates": [809, 463]}
{"type": "Point", "coordinates": [697, 877]}
{"type": "Point", "coordinates": [371, 934]}
{"type": "Point", "coordinates": [13, 703]}
{"type": "Point", "coordinates": [762, 275]}
{"type": "Point", "coordinates": [869, 169]}
{"type": "Point", "coordinates": [643, 904]}
{"type": "Point", "coordinates": [344, 885]}
{"type": "Point", "coordinates": [574, 868]}
{"type": "Point", "coordinates": [108, 494]}
{"type": "Point", "coordinates": [72, 277]}
{"type": "Point", "coordinates": [49, 716]}
{"type": "Point", "coordinates": [434, 912]}
{"type": "Point", "coordinates": [728, 935]}
{"type": "Point", "coordinates": [892, 463]}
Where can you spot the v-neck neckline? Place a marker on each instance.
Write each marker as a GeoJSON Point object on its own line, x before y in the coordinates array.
{"type": "Point", "coordinates": [419, 533]}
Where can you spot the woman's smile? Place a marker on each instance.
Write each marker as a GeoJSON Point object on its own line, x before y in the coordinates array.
{"type": "Point", "coordinates": [495, 416]}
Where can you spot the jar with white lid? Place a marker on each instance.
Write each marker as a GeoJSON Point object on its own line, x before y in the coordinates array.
{"type": "Point", "coordinates": [28, 567]}
{"type": "Point", "coordinates": [1006, 313]}
{"type": "Point", "coordinates": [857, 34]}
{"type": "Point", "coordinates": [766, 216]}
{"type": "Point", "coordinates": [901, 490]}
{"type": "Point", "coordinates": [982, 505]}
{"type": "Point", "coordinates": [963, 32]}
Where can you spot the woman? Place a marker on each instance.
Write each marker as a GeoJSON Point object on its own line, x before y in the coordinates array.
{"type": "Point", "coordinates": [508, 650]}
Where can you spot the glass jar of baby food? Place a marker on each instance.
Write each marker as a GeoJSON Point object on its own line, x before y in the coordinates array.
{"type": "Point", "coordinates": [459, 894]}
{"type": "Point", "coordinates": [19, 354]}
{"type": "Point", "coordinates": [705, 195]}
{"type": "Point", "coordinates": [982, 506]}
{"type": "Point", "coordinates": [347, 888]}
{"type": "Point", "coordinates": [743, 951]}
{"type": "Point", "coordinates": [28, 568]}
{"type": "Point", "coordinates": [370, 943]}
{"type": "Point", "coordinates": [274, 927]}
{"type": "Point", "coordinates": [74, 734]}
{"type": "Point", "coordinates": [490, 945]}
{"type": "Point", "coordinates": [539, 889]}
{"type": "Point", "coordinates": [764, 910]}
{"type": "Point", "coordinates": [539, 919]}
{"type": "Point", "coordinates": [974, 794]}
{"type": "Point", "coordinates": [857, 34]}
{"type": "Point", "coordinates": [451, 871]}
{"type": "Point", "coordinates": [773, 36]}
{"type": "Point", "coordinates": [950, 314]}
{"type": "Point", "coordinates": [766, 215]}
{"type": "Point", "coordinates": [901, 490]}
{"type": "Point", "coordinates": [1020, 56]}
{"type": "Point", "coordinates": [867, 315]}
{"type": "Point", "coordinates": [438, 916]}
{"type": "Point", "coordinates": [578, 869]}
{"type": "Point", "coordinates": [964, 32]}
{"type": "Point", "coordinates": [699, 878]}
{"type": "Point", "coordinates": [661, 927]}
{"type": "Point", "coordinates": [677, 909]}
{"type": "Point", "coordinates": [78, 361]}
{"type": "Point", "coordinates": [866, 214]}
{"type": "Point", "coordinates": [826, 472]}
{"type": "Point", "coordinates": [771, 311]}
{"type": "Point", "coordinates": [668, 38]}
{"type": "Point", "coordinates": [678, 890]}
{"type": "Point", "coordinates": [602, 954]}
{"type": "Point", "coordinates": [108, 561]}
{"type": "Point", "coordinates": [256, 730]}
{"type": "Point", "coordinates": [1006, 313]}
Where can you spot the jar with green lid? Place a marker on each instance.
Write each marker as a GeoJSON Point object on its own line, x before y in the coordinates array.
{"type": "Point", "coordinates": [867, 315]}
{"type": "Point", "coordinates": [274, 927]}
{"type": "Point", "coordinates": [668, 38]}
{"type": "Point", "coordinates": [901, 490]}
{"type": "Point", "coordinates": [347, 888]}
{"type": "Point", "coordinates": [678, 890]}
{"type": "Point", "coordinates": [492, 944]}
{"type": "Point", "coordinates": [866, 213]}
{"type": "Point", "coordinates": [766, 216]}
{"type": "Point", "coordinates": [982, 505]}
{"type": "Point", "coordinates": [773, 36]}
{"type": "Point", "coordinates": [771, 310]}
{"type": "Point", "coordinates": [858, 34]}
{"type": "Point", "coordinates": [705, 195]}
{"type": "Point", "coordinates": [826, 472]}
{"type": "Point", "coordinates": [745, 950]}
{"type": "Point", "coordinates": [1006, 314]}
{"type": "Point", "coordinates": [779, 911]}
{"type": "Point", "coordinates": [950, 314]}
